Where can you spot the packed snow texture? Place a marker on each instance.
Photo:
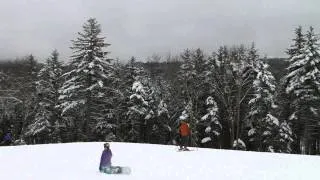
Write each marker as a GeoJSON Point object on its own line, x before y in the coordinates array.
{"type": "Point", "coordinates": [80, 161]}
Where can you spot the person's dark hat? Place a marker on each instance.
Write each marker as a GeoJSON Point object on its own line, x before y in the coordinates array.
{"type": "Point", "coordinates": [106, 145]}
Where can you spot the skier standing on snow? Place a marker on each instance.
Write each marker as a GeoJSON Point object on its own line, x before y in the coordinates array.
{"type": "Point", "coordinates": [184, 132]}
{"type": "Point", "coordinates": [105, 161]}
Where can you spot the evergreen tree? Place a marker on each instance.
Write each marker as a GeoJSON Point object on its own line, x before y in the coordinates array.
{"type": "Point", "coordinates": [264, 125]}
{"type": "Point", "coordinates": [138, 112]}
{"type": "Point", "coordinates": [127, 75]}
{"type": "Point", "coordinates": [161, 128]}
{"type": "Point", "coordinates": [47, 115]}
{"type": "Point", "coordinates": [211, 123]}
{"type": "Point", "coordinates": [186, 73]}
{"type": "Point", "coordinates": [302, 86]}
{"type": "Point", "coordinates": [28, 91]}
{"type": "Point", "coordinates": [150, 123]}
{"type": "Point", "coordinates": [284, 138]}
{"type": "Point", "coordinates": [85, 93]}
{"type": "Point", "coordinates": [297, 46]}
{"type": "Point", "coordinates": [287, 100]}
{"type": "Point", "coordinates": [193, 75]}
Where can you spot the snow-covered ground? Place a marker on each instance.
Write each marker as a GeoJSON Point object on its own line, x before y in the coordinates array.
{"type": "Point", "coordinates": [79, 161]}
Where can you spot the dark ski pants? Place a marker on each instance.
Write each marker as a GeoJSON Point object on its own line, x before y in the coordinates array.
{"type": "Point", "coordinates": [184, 141]}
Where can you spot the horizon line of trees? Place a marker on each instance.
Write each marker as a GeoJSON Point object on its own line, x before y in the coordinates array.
{"type": "Point", "coordinates": [230, 98]}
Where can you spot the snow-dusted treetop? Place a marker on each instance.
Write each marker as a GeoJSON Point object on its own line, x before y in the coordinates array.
{"type": "Point", "coordinates": [91, 72]}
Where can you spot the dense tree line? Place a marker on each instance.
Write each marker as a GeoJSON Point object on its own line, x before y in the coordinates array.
{"type": "Point", "coordinates": [232, 98]}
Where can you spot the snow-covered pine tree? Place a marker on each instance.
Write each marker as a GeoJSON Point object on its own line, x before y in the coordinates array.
{"type": "Point", "coordinates": [264, 125]}
{"type": "Point", "coordinates": [284, 99]}
{"type": "Point", "coordinates": [250, 64]}
{"type": "Point", "coordinates": [284, 138]}
{"type": "Point", "coordinates": [186, 73]}
{"type": "Point", "coordinates": [311, 77]}
{"type": "Point", "coordinates": [138, 113]}
{"type": "Point", "coordinates": [39, 131]}
{"type": "Point", "coordinates": [296, 55]}
{"type": "Point", "coordinates": [201, 87]}
{"type": "Point", "coordinates": [127, 75]}
{"type": "Point", "coordinates": [303, 82]}
{"type": "Point", "coordinates": [285, 135]}
{"type": "Point", "coordinates": [158, 122]}
{"type": "Point", "coordinates": [192, 77]}
{"type": "Point", "coordinates": [200, 65]}
{"type": "Point", "coordinates": [211, 123]}
{"type": "Point", "coordinates": [161, 127]}
{"type": "Point", "coordinates": [45, 127]}
{"type": "Point", "coordinates": [296, 48]}
{"type": "Point", "coordinates": [28, 91]}
{"type": "Point", "coordinates": [150, 120]}
{"type": "Point", "coordinates": [85, 92]}
{"type": "Point", "coordinates": [219, 76]}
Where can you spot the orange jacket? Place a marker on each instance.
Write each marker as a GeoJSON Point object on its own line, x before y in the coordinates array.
{"type": "Point", "coordinates": [184, 129]}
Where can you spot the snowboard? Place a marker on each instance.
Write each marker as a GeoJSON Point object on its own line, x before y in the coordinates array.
{"type": "Point", "coordinates": [117, 170]}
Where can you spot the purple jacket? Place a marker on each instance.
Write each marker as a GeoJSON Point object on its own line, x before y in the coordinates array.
{"type": "Point", "coordinates": [7, 137]}
{"type": "Point", "coordinates": [105, 160]}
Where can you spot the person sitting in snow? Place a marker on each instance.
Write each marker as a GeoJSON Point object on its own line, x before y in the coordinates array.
{"type": "Point", "coordinates": [184, 132]}
{"type": "Point", "coordinates": [7, 139]}
{"type": "Point", "coordinates": [105, 161]}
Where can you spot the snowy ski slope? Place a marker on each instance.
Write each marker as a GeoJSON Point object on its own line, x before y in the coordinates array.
{"type": "Point", "coordinates": [79, 161]}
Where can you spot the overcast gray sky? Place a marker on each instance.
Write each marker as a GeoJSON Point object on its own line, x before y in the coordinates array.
{"type": "Point", "coordinates": [143, 27]}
